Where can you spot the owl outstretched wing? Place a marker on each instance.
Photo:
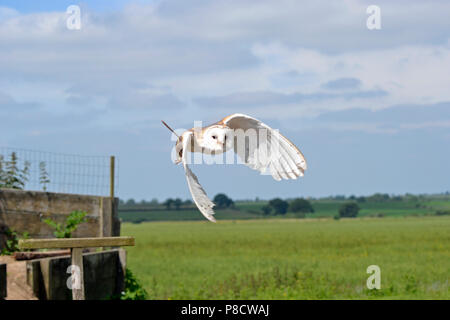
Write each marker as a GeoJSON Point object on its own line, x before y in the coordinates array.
{"type": "Point", "coordinates": [265, 148]}
{"type": "Point", "coordinates": [204, 204]}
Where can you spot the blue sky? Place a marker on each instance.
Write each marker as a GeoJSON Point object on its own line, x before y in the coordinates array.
{"type": "Point", "coordinates": [368, 108]}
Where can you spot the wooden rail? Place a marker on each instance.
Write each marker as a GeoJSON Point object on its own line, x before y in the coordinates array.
{"type": "Point", "coordinates": [76, 243]}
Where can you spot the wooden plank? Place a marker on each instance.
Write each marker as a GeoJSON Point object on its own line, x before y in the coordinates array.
{"type": "Point", "coordinates": [76, 243]}
{"type": "Point", "coordinates": [39, 255]}
{"type": "Point", "coordinates": [77, 274]}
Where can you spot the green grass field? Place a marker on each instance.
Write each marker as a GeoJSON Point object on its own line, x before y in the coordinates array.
{"type": "Point", "coordinates": [292, 258]}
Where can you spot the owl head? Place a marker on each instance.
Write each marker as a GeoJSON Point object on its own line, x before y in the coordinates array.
{"type": "Point", "coordinates": [218, 138]}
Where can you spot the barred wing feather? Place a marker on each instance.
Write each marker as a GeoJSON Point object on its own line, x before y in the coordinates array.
{"type": "Point", "coordinates": [204, 204]}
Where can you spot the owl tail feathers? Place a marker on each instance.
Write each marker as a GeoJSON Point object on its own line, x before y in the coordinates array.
{"type": "Point", "coordinates": [207, 211]}
{"type": "Point", "coordinates": [210, 218]}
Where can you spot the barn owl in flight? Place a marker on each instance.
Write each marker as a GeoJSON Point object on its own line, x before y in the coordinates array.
{"type": "Point", "coordinates": [257, 145]}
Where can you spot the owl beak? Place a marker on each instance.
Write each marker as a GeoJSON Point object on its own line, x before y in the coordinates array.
{"type": "Point", "coordinates": [224, 142]}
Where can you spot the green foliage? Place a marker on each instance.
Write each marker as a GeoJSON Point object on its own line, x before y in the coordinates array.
{"type": "Point", "coordinates": [43, 175]}
{"type": "Point", "coordinates": [72, 222]}
{"type": "Point", "coordinates": [379, 197]}
{"type": "Point", "coordinates": [11, 175]}
{"type": "Point", "coordinates": [349, 210]}
{"type": "Point", "coordinates": [442, 212]}
{"type": "Point", "coordinates": [177, 203]}
{"type": "Point", "coordinates": [25, 235]}
{"type": "Point", "coordinates": [168, 203]}
{"type": "Point", "coordinates": [131, 202]}
{"type": "Point", "coordinates": [12, 241]}
{"type": "Point", "coordinates": [300, 205]}
{"type": "Point", "coordinates": [361, 199]}
{"type": "Point", "coordinates": [222, 201]}
{"type": "Point", "coordinates": [133, 288]}
{"type": "Point", "coordinates": [266, 210]}
{"type": "Point", "coordinates": [279, 206]}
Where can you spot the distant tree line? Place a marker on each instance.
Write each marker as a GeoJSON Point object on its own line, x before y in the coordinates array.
{"type": "Point", "coordinates": [298, 207]}
{"type": "Point", "coordinates": [176, 203]}
{"type": "Point", "coordinates": [221, 200]}
{"type": "Point", "coordinates": [169, 203]}
{"type": "Point", "coordinates": [348, 210]}
{"type": "Point", "coordinates": [278, 206]}
{"type": "Point", "coordinates": [377, 197]}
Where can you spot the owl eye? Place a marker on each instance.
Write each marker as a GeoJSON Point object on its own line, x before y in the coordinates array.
{"type": "Point", "coordinates": [214, 137]}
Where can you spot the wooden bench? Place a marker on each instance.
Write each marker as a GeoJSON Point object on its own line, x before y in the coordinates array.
{"type": "Point", "coordinates": [76, 246]}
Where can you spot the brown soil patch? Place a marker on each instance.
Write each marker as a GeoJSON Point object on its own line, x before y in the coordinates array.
{"type": "Point", "coordinates": [16, 272]}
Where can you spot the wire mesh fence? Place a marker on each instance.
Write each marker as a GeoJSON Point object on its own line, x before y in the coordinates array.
{"type": "Point", "coordinates": [57, 172]}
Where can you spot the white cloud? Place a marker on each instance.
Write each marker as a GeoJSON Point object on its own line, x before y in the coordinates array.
{"type": "Point", "coordinates": [173, 54]}
{"type": "Point", "coordinates": [410, 74]}
{"type": "Point", "coordinates": [7, 13]}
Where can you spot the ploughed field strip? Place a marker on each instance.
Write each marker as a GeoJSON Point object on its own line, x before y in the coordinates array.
{"type": "Point", "coordinates": [18, 288]}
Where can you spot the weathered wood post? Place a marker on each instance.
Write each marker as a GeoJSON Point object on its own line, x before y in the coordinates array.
{"type": "Point", "coordinates": [112, 164]}
{"type": "Point", "coordinates": [3, 282]}
{"type": "Point", "coordinates": [77, 261]}
{"type": "Point", "coordinates": [76, 246]}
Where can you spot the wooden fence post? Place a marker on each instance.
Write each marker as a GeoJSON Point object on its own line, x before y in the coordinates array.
{"type": "Point", "coordinates": [3, 282]}
{"type": "Point", "coordinates": [111, 177]}
{"type": "Point", "coordinates": [77, 279]}
{"type": "Point", "coordinates": [111, 193]}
